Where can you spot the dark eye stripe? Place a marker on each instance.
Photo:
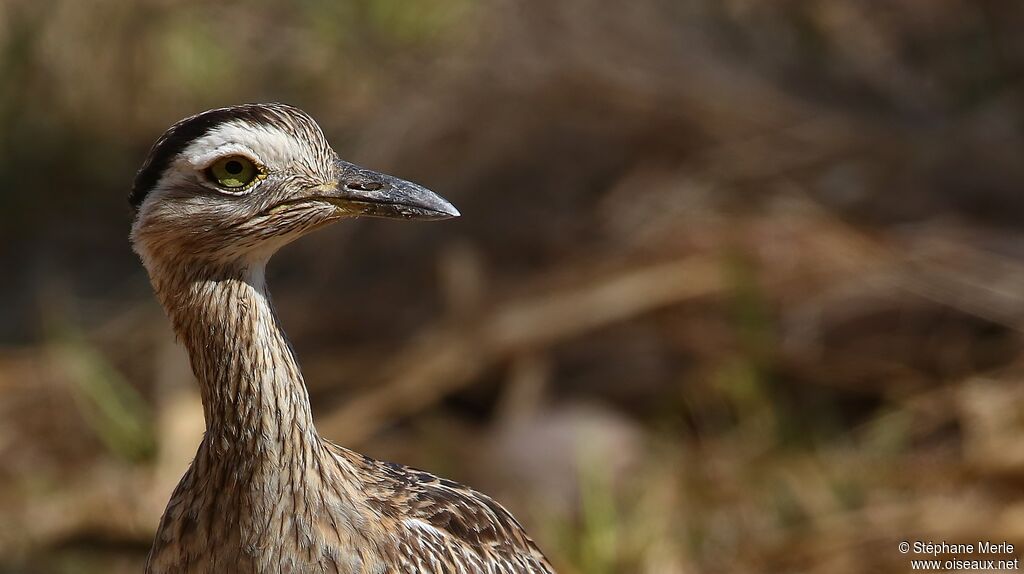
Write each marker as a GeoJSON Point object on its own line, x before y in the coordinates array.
{"type": "Point", "coordinates": [183, 133]}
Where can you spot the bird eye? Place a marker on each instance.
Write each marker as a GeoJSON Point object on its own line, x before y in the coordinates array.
{"type": "Point", "coordinates": [234, 172]}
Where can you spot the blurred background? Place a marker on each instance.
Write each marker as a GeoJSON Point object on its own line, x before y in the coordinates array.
{"type": "Point", "coordinates": [739, 286]}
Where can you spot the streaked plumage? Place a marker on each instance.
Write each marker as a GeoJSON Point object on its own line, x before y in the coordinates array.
{"type": "Point", "coordinates": [265, 493]}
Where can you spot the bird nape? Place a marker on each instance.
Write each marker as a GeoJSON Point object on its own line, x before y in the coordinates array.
{"type": "Point", "coordinates": [220, 192]}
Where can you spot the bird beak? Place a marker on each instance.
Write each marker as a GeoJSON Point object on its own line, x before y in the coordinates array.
{"type": "Point", "coordinates": [361, 191]}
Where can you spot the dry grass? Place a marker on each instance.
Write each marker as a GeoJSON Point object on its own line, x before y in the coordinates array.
{"type": "Point", "coordinates": [738, 289]}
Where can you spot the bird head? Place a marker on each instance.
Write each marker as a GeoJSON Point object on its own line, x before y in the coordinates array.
{"type": "Point", "coordinates": [237, 183]}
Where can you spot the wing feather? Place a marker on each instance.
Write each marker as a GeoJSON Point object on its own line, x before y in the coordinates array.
{"type": "Point", "coordinates": [443, 527]}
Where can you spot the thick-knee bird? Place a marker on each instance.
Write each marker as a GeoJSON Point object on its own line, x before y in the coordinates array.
{"type": "Point", "coordinates": [220, 192]}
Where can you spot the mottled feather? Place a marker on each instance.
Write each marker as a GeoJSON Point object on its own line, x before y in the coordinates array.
{"type": "Point", "coordinates": [265, 493]}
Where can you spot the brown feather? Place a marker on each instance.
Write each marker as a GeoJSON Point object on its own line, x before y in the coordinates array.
{"type": "Point", "coordinates": [265, 493]}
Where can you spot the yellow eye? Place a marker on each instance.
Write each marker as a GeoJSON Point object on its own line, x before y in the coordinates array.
{"type": "Point", "coordinates": [234, 172]}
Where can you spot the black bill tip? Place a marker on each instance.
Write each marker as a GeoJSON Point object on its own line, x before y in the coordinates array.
{"type": "Point", "coordinates": [379, 195]}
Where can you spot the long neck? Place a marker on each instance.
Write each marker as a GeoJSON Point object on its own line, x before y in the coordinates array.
{"type": "Point", "coordinates": [254, 398]}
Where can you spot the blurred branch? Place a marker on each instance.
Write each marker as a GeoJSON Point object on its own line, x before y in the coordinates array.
{"type": "Point", "coordinates": [448, 357]}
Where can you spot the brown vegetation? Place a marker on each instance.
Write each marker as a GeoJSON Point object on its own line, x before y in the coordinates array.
{"type": "Point", "coordinates": [738, 285]}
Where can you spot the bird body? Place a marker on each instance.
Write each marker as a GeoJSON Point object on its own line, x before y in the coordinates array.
{"type": "Point", "coordinates": [218, 195]}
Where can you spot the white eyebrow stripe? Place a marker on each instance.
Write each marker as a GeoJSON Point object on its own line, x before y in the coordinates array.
{"type": "Point", "coordinates": [266, 144]}
{"type": "Point", "coordinates": [204, 160]}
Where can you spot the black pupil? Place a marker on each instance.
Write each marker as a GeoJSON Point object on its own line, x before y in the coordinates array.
{"type": "Point", "coordinates": [233, 167]}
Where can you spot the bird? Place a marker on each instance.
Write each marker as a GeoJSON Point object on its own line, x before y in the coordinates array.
{"type": "Point", "coordinates": [219, 193]}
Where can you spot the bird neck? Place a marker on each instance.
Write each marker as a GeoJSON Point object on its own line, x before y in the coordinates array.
{"type": "Point", "coordinates": [254, 399]}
